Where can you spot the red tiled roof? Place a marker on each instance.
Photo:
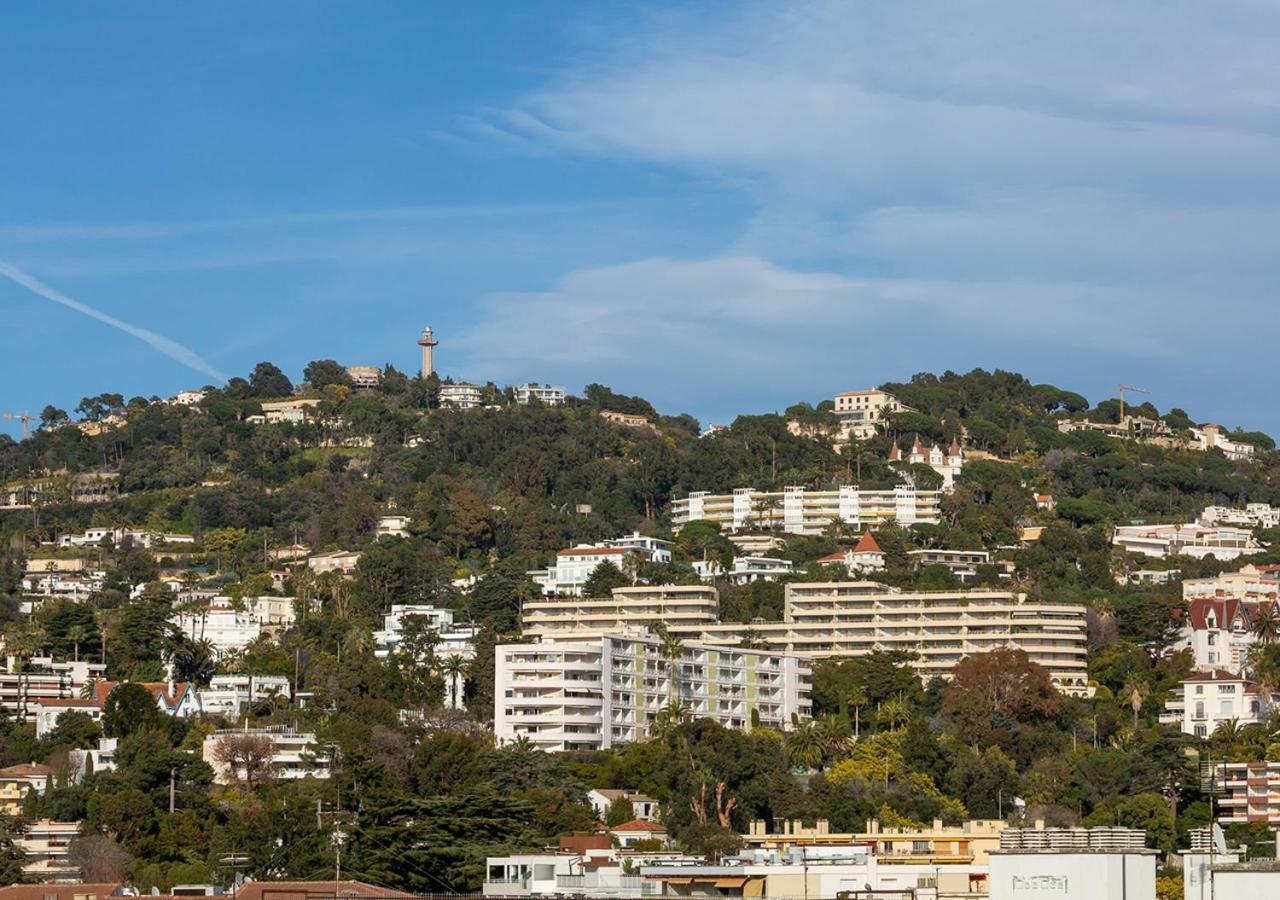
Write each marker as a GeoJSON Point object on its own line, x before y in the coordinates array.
{"type": "Point", "coordinates": [867, 544]}
{"type": "Point", "coordinates": [310, 890]}
{"type": "Point", "coordinates": [69, 702]}
{"type": "Point", "coordinates": [1214, 675]}
{"type": "Point", "coordinates": [26, 770]}
{"type": "Point", "coordinates": [58, 891]}
{"type": "Point", "coordinates": [838, 556]}
{"type": "Point", "coordinates": [640, 825]}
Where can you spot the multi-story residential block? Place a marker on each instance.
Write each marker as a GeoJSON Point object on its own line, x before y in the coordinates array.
{"type": "Point", "coordinates": [1214, 437]}
{"type": "Point", "coordinates": [1251, 793]}
{"type": "Point", "coordinates": [861, 412]}
{"type": "Point", "coordinates": [231, 696]}
{"type": "Point", "coordinates": [1254, 515]}
{"type": "Point", "coordinates": [798, 510]}
{"type": "Point", "coordinates": [745, 569]}
{"type": "Point", "coordinates": [1207, 699]}
{"type": "Point", "coordinates": [461, 395]}
{"type": "Point", "coordinates": [1199, 541]}
{"type": "Point", "coordinates": [675, 605]}
{"type": "Point", "coordinates": [834, 619]}
{"type": "Point", "coordinates": [42, 678]}
{"type": "Point", "coordinates": [591, 693]}
{"type": "Point", "coordinates": [544, 393]}
{"type": "Point", "coordinates": [962, 563]}
{"type": "Point", "coordinates": [948, 464]}
{"type": "Point", "coordinates": [452, 638]}
{"type": "Point", "coordinates": [16, 782]}
{"type": "Point", "coordinates": [575, 565]}
{"type": "Point", "coordinates": [45, 844]}
{"type": "Point", "coordinates": [1249, 583]}
{"type": "Point", "coordinates": [293, 754]}
{"type": "Point", "coordinates": [226, 629]}
{"type": "Point", "coordinates": [364, 376]}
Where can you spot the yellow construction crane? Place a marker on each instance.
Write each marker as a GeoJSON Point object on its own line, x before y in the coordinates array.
{"type": "Point", "coordinates": [1129, 387]}
{"type": "Point", "coordinates": [26, 419]}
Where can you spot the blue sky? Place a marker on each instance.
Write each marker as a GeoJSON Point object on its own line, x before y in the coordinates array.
{"type": "Point", "coordinates": [726, 207]}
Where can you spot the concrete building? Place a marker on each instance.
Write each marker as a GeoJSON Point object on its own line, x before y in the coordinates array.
{"type": "Point", "coordinates": [546, 394]}
{"type": "Point", "coordinates": [1251, 793]}
{"type": "Point", "coordinates": [861, 412]}
{"type": "Point", "coordinates": [123, 538]}
{"type": "Point", "coordinates": [1221, 542]}
{"type": "Point", "coordinates": [574, 565]}
{"type": "Point", "coordinates": [584, 865]}
{"type": "Point", "coordinates": [1073, 864]}
{"type": "Point", "coordinates": [935, 843]}
{"type": "Point", "coordinates": [1254, 515]}
{"type": "Point", "coordinates": [454, 639]}
{"type": "Point", "coordinates": [392, 526]}
{"type": "Point", "coordinates": [16, 782]}
{"type": "Point", "coordinates": [1207, 699]}
{"type": "Point", "coordinates": [227, 630]}
{"type": "Point", "coordinates": [628, 420]}
{"type": "Point", "coordinates": [864, 557]}
{"type": "Point", "coordinates": [188, 398]}
{"type": "Point", "coordinates": [963, 564]}
{"type": "Point", "coordinates": [591, 693]}
{"type": "Point", "coordinates": [834, 619]}
{"type": "Point", "coordinates": [287, 412]}
{"type": "Point", "coordinates": [643, 806]}
{"type": "Point", "coordinates": [343, 561]}
{"type": "Point", "coordinates": [231, 696]}
{"type": "Point", "coordinates": [1249, 583]}
{"type": "Point", "coordinates": [428, 343]}
{"type": "Point", "coordinates": [745, 569]}
{"type": "Point", "coordinates": [294, 755]}
{"type": "Point", "coordinates": [461, 395]}
{"type": "Point", "coordinates": [679, 606]}
{"type": "Point", "coordinates": [1214, 437]}
{"type": "Point", "coordinates": [797, 510]}
{"type": "Point", "coordinates": [42, 678]}
{"type": "Point", "coordinates": [49, 710]}
{"type": "Point", "coordinates": [45, 843]}
{"type": "Point", "coordinates": [365, 376]}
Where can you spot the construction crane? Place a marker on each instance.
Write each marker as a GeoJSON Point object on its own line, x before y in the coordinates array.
{"type": "Point", "coordinates": [26, 419]}
{"type": "Point", "coordinates": [1128, 387]}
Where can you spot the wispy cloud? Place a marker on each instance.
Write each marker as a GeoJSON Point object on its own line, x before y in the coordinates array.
{"type": "Point", "coordinates": [169, 348]}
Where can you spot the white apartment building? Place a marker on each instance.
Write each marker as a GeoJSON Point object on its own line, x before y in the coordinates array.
{"type": "Point", "coordinates": [1214, 437]}
{"type": "Point", "coordinates": [294, 754]}
{"type": "Point", "coordinates": [122, 537]}
{"type": "Point", "coordinates": [462, 395]}
{"type": "Point", "coordinates": [232, 695]}
{"type": "Point", "coordinates": [745, 569]}
{"type": "Point", "coordinates": [543, 393]}
{"type": "Point", "coordinates": [591, 693]}
{"type": "Point", "coordinates": [1222, 542]}
{"type": "Point", "coordinates": [43, 679]}
{"type": "Point", "coordinates": [676, 605]}
{"type": "Point", "coordinates": [1207, 699]}
{"type": "Point", "coordinates": [834, 619]}
{"type": "Point", "coordinates": [1254, 515]}
{"type": "Point", "coordinates": [226, 629]}
{"type": "Point", "coordinates": [454, 639]}
{"type": "Point", "coordinates": [574, 565]}
{"type": "Point", "coordinates": [860, 412]}
{"type": "Point", "coordinates": [78, 586]}
{"type": "Point", "coordinates": [45, 843]}
{"type": "Point", "coordinates": [1249, 583]}
{"type": "Point", "coordinates": [797, 510]}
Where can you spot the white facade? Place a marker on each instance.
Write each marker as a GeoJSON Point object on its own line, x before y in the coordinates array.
{"type": "Point", "coordinates": [594, 693]}
{"type": "Point", "coordinates": [392, 526]}
{"type": "Point", "coordinates": [122, 537]}
{"type": "Point", "coordinates": [543, 393]}
{"type": "Point", "coordinates": [43, 679]}
{"type": "Point", "coordinates": [343, 561]}
{"type": "Point", "coordinates": [575, 565]}
{"type": "Point", "coordinates": [676, 605]}
{"type": "Point", "coordinates": [962, 563]}
{"type": "Point", "coordinates": [462, 395]}
{"type": "Point", "coordinates": [948, 464]}
{"type": "Point", "coordinates": [797, 510]}
{"type": "Point", "coordinates": [364, 376]}
{"type": "Point", "coordinates": [45, 844]}
{"type": "Point", "coordinates": [188, 398]}
{"type": "Point", "coordinates": [294, 754]}
{"type": "Point", "coordinates": [1073, 875]}
{"type": "Point", "coordinates": [645, 807]}
{"type": "Point", "coordinates": [227, 630]}
{"type": "Point", "coordinates": [455, 639]}
{"type": "Point", "coordinates": [1249, 583]}
{"type": "Point", "coordinates": [860, 412]}
{"type": "Point", "coordinates": [745, 569]}
{"type": "Point", "coordinates": [1208, 699]}
{"type": "Point", "coordinates": [232, 695]}
{"type": "Point", "coordinates": [1214, 437]}
{"type": "Point", "coordinates": [1221, 542]}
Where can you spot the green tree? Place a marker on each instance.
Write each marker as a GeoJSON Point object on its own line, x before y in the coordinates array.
{"type": "Point", "coordinates": [603, 579]}
{"type": "Point", "coordinates": [129, 709]}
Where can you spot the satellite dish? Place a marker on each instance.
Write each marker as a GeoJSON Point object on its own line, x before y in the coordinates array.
{"type": "Point", "coordinates": [1219, 839]}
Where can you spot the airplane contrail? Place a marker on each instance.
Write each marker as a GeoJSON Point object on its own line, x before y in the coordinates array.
{"type": "Point", "coordinates": [172, 349]}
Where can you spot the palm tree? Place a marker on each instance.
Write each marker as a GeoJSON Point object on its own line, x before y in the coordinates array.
{"type": "Point", "coordinates": [857, 699]}
{"type": "Point", "coordinates": [671, 649]}
{"type": "Point", "coordinates": [455, 669]}
{"type": "Point", "coordinates": [894, 713]}
{"type": "Point", "coordinates": [1266, 625]}
{"type": "Point", "coordinates": [804, 746]}
{"type": "Point", "coordinates": [833, 733]}
{"type": "Point", "coordinates": [1228, 731]}
{"type": "Point", "coordinates": [77, 634]}
{"type": "Point", "coordinates": [1135, 691]}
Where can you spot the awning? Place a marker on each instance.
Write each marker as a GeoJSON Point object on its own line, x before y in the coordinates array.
{"type": "Point", "coordinates": [753, 888]}
{"type": "Point", "coordinates": [735, 882]}
{"type": "Point", "coordinates": [678, 880]}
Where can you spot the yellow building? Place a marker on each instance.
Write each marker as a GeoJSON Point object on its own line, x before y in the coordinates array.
{"type": "Point", "coordinates": [936, 844]}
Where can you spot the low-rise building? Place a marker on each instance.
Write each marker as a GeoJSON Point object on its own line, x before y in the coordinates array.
{"type": "Point", "coordinates": [343, 561]}
{"type": "Point", "coordinates": [963, 564]}
{"type": "Point", "coordinates": [231, 696]}
{"type": "Point", "coordinates": [1207, 699]}
{"type": "Point", "coordinates": [392, 526]}
{"type": "Point", "coordinates": [1214, 437]}
{"type": "Point", "coordinates": [1254, 515]}
{"type": "Point", "coordinates": [48, 710]}
{"type": "Point", "coordinates": [639, 831]}
{"type": "Point", "coordinates": [675, 605]}
{"type": "Point", "coordinates": [935, 843]}
{"type": "Point", "coordinates": [948, 464]}
{"type": "Point", "coordinates": [1045, 502]}
{"type": "Point", "coordinates": [745, 569]}
{"type": "Point", "coordinates": [584, 865]}
{"type": "Point", "coordinates": [546, 394]}
{"type": "Point", "coordinates": [365, 376]}
{"type": "Point", "coordinates": [16, 782]}
{"type": "Point", "coordinates": [798, 510]}
{"type": "Point", "coordinates": [188, 398]}
{"type": "Point", "coordinates": [864, 557]}
{"type": "Point", "coordinates": [453, 639]}
{"type": "Point", "coordinates": [291, 755]}
{"type": "Point", "coordinates": [1199, 541]}
{"type": "Point", "coordinates": [1219, 632]}
{"type": "Point", "coordinates": [461, 395]}
{"type": "Point", "coordinates": [628, 420]}
{"type": "Point", "coordinates": [592, 693]}
{"type": "Point", "coordinates": [1073, 864]}
{"type": "Point", "coordinates": [123, 538]}
{"type": "Point", "coordinates": [290, 412]}
{"type": "Point", "coordinates": [574, 565]}
{"type": "Point", "coordinates": [1249, 583]}
{"type": "Point", "coordinates": [42, 678]}
{"type": "Point", "coordinates": [642, 805]}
